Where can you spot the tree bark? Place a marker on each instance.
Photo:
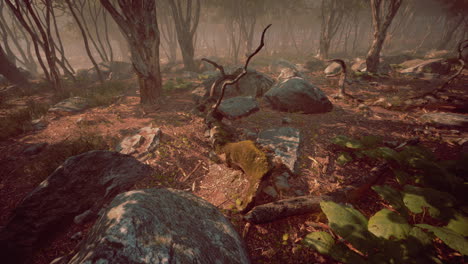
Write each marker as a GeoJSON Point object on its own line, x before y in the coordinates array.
{"type": "Point", "coordinates": [331, 15]}
{"type": "Point", "coordinates": [138, 23]}
{"type": "Point", "coordinates": [9, 70]}
{"type": "Point", "coordinates": [451, 25]}
{"type": "Point", "coordinates": [186, 27]}
{"type": "Point", "coordinates": [383, 13]}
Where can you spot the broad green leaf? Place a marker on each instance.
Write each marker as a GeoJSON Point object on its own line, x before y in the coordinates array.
{"type": "Point", "coordinates": [393, 197]}
{"type": "Point", "coordinates": [459, 224]}
{"type": "Point", "coordinates": [412, 156]}
{"type": "Point", "coordinates": [389, 225]}
{"type": "Point", "coordinates": [343, 158]}
{"type": "Point", "coordinates": [346, 142]}
{"type": "Point", "coordinates": [419, 238]}
{"type": "Point", "coordinates": [437, 203]}
{"type": "Point", "coordinates": [325, 244]}
{"type": "Point", "coordinates": [450, 238]}
{"type": "Point", "coordinates": [350, 224]}
{"type": "Point", "coordinates": [320, 241]}
{"type": "Point", "coordinates": [387, 153]}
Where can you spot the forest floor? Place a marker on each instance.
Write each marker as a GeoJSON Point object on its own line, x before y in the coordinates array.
{"type": "Point", "coordinates": [182, 159]}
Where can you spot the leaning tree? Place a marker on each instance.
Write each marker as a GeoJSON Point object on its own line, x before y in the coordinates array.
{"type": "Point", "coordinates": [383, 12]}
{"type": "Point", "coordinates": [138, 23]}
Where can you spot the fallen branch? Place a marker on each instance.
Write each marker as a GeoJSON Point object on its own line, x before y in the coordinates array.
{"type": "Point", "coordinates": [342, 94]}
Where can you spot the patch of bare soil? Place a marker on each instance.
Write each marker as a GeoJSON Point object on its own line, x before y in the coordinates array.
{"type": "Point", "coordinates": [182, 160]}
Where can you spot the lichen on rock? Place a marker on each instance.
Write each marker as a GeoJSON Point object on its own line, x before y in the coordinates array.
{"type": "Point", "coordinates": [254, 164]}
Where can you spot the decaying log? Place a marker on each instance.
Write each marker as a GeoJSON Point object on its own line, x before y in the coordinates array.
{"type": "Point", "coordinates": [284, 208]}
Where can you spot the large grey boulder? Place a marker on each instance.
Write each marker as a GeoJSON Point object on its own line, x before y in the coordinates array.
{"type": "Point", "coordinates": [298, 95]}
{"type": "Point", "coordinates": [438, 66]}
{"type": "Point", "coordinates": [278, 65]}
{"type": "Point", "coordinates": [446, 119]}
{"type": "Point", "coordinates": [83, 182]}
{"type": "Point", "coordinates": [237, 107]}
{"type": "Point", "coordinates": [333, 68]}
{"type": "Point", "coordinates": [254, 84]}
{"type": "Point", "coordinates": [160, 226]}
{"type": "Point", "coordinates": [284, 144]}
{"type": "Point", "coordinates": [314, 64]}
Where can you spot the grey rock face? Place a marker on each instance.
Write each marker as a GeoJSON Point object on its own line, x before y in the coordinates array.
{"type": "Point", "coordinates": [284, 142]}
{"type": "Point", "coordinates": [144, 142]}
{"type": "Point", "coordinates": [83, 182]}
{"type": "Point", "coordinates": [333, 68]}
{"type": "Point", "coordinates": [278, 65]}
{"type": "Point", "coordinates": [70, 106]}
{"type": "Point", "coordinates": [237, 107]}
{"type": "Point", "coordinates": [298, 95]}
{"type": "Point", "coordinates": [446, 119]}
{"type": "Point", "coordinates": [288, 73]}
{"type": "Point", "coordinates": [439, 66]}
{"type": "Point", "coordinates": [254, 84]}
{"type": "Point", "coordinates": [161, 226]}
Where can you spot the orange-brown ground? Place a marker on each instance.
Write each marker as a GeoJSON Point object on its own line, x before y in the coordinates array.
{"type": "Point", "coordinates": [182, 160]}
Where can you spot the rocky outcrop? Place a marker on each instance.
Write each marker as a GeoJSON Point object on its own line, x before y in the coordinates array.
{"type": "Point", "coordinates": [283, 143]}
{"type": "Point", "coordinates": [278, 65]}
{"type": "Point", "coordinates": [160, 226]}
{"type": "Point", "coordinates": [70, 106]}
{"type": "Point", "coordinates": [83, 182]}
{"type": "Point", "coordinates": [298, 95]}
{"type": "Point", "coordinates": [253, 84]}
{"type": "Point", "coordinates": [238, 107]}
{"type": "Point", "coordinates": [314, 65]}
{"type": "Point", "coordinates": [437, 66]}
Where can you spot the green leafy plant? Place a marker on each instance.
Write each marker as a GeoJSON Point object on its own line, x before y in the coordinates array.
{"type": "Point", "coordinates": [430, 190]}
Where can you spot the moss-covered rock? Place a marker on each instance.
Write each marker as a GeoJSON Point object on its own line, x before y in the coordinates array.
{"type": "Point", "coordinates": [253, 163]}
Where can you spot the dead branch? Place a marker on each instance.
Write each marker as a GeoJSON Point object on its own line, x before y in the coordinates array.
{"type": "Point", "coordinates": [244, 70]}
{"type": "Point", "coordinates": [342, 94]}
{"type": "Point", "coordinates": [461, 47]}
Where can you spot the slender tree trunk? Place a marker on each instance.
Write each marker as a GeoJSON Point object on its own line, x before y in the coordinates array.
{"type": "Point", "coordinates": [85, 40]}
{"type": "Point", "coordinates": [451, 25]}
{"type": "Point", "coordinates": [186, 26]}
{"type": "Point", "coordinates": [138, 23]}
{"type": "Point", "coordinates": [380, 22]}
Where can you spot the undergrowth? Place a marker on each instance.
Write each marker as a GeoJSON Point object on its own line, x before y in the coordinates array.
{"type": "Point", "coordinates": [427, 203]}
{"type": "Point", "coordinates": [19, 121]}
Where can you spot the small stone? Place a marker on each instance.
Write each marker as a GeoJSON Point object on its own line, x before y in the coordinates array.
{"type": "Point", "coordinates": [34, 149]}
{"type": "Point", "coordinates": [207, 133]}
{"type": "Point", "coordinates": [299, 193]}
{"type": "Point", "coordinates": [286, 120]}
{"type": "Point", "coordinates": [83, 217]}
{"type": "Point", "coordinates": [77, 236]}
{"type": "Point", "coordinates": [270, 190]}
{"type": "Point", "coordinates": [281, 183]}
{"type": "Point", "coordinates": [214, 157]}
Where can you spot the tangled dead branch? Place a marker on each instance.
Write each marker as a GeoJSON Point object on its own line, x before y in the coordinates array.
{"type": "Point", "coordinates": [342, 94]}
{"type": "Point", "coordinates": [462, 60]}
{"type": "Point", "coordinates": [229, 79]}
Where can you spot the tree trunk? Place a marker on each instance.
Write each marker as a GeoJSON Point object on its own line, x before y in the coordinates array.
{"type": "Point", "coordinates": [451, 25]}
{"type": "Point", "coordinates": [186, 27]}
{"type": "Point", "coordinates": [332, 14]}
{"type": "Point", "coordinates": [138, 23]}
{"type": "Point", "coordinates": [380, 22]}
{"type": "Point", "coordinates": [9, 70]}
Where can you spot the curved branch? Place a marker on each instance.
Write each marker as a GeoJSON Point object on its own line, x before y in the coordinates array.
{"type": "Point", "coordinates": [244, 70]}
